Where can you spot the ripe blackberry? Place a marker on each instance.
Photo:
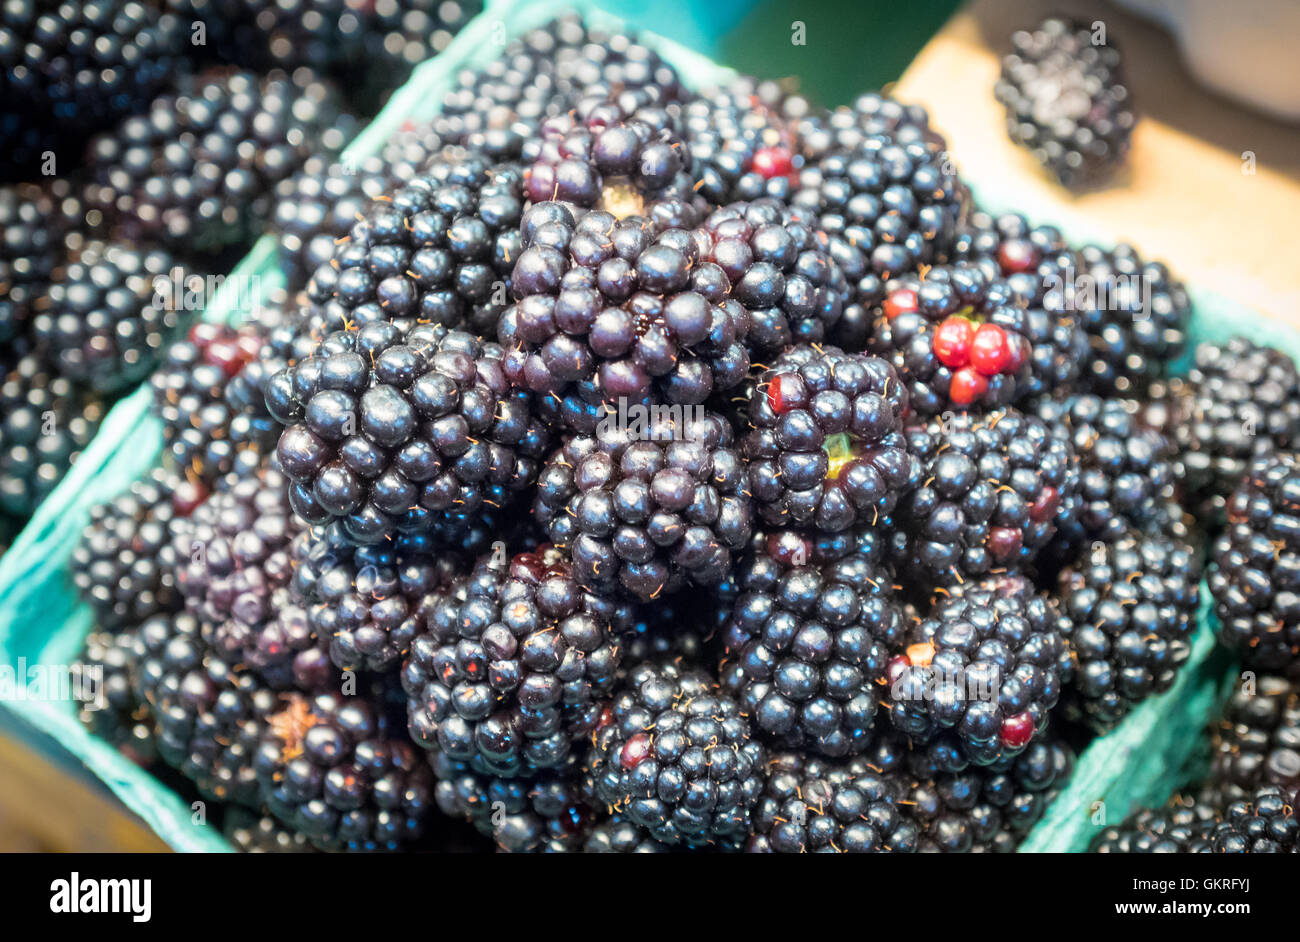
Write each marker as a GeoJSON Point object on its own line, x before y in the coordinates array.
{"type": "Point", "coordinates": [28, 254]}
{"type": "Point", "coordinates": [328, 768]}
{"type": "Point", "coordinates": [1131, 602]}
{"type": "Point", "coordinates": [1136, 317]}
{"type": "Point", "coordinates": [79, 65]}
{"type": "Point", "coordinates": [872, 114]}
{"type": "Point", "coordinates": [123, 563]}
{"type": "Point", "coordinates": [1257, 741]}
{"type": "Point", "coordinates": [674, 755]}
{"type": "Point", "coordinates": [251, 833]}
{"type": "Point", "coordinates": [806, 648]}
{"type": "Point", "coordinates": [1245, 404]}
{"type": "Point", "coordinates": [1127, 470]}
{"type": "Point", "coordinates": [1265, 823]}
{"type": "Point", "coordinates": [617, 835]}
{"type": "Point", "coordinates": [994, 489]}
{"type": "Point", "coordinates": [810, 806]}
{"type": "Point", "coordinates": [1066, 101]}
{"type": "Point", "coordinates": [986, 664]}
{"type": "Point", "coordinates": [648, 511]}
{"type": "Point", "coordinates": [104, 322]}
{"type": "Point", "coordinates": [964, 337]}
{"type": "Point", "coordinates": [120, 718]}
{"type": "Point", "coordinates": [439, 250]}
{"type": "Point", "coordinates": [45, 422]}
{"type": "Point", "coordinates": [391, 429]}
{"type": "Point", "coordinates": [197, 172]}
{"type": "Point", "coordinates": [513, 668]}
{"type": "Point", "coordinates": [317, 207]}
{"type": "Point", "coordinates": [828, 448]}
{"type": "Point", "coordinates": [1183, 826]}
{"type": "Point", "coordinates": [366, 603]}
{"type": "Point", "coordinates": [1255, 573]}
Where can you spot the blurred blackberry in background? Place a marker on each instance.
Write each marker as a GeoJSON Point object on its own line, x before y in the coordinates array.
{"type": "Point", "coordinates": [1182, 826]}
{"type": "Point", "coordinates": [123, 563]}
{"type": "Point", "coordinates": [994, 490]}
{"type": "Point", "coordinates": [394, 429]}
{"type": "Point", "coordinates": [1136, 317]}
{"type": "Point", "coordinates": [1264, 823]}
{"type": "Point", "coordinates": [29, 250]}
{"type": "Point", "coordinates": [120, 717]}
{"type": "Point", "coordinates": [107, 316]}
{"type": "Point", "coordinates": [198, 171]}
{"type": "Point", "coordinates": [329, 768]}
{"type": "Point", "coordinates": [1255, 573]}
{"type": "Point", "coordinates": [45, 422]}
{"type": "Point", "coordinates": [1066, 101]}
{"type": "Point", "coordinates": [251, 833]}
{"type": "Point", "coordinates": [986, 664]}
{"type": "Point", "coordinates": [79, 66]}
{"type": "Point", "coordinates": [1257, 740]}
{"type": "Point", "coordinates": [410, 148]}
{"type": "Point", "coordinates": [649, 509]}
{"type": "Point", "coordinates": [1131, 602]}
{"type": "Point", "coordinates": [438, 250]}
{"type": "Point", "coordinates": [675, 756]}
{"type": "Point", "coordinates": [807, 644]}
{"type": "Point", "coordinates": [828, 449]}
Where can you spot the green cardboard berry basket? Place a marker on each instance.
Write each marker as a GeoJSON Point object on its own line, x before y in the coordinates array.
{"type": "Point", "coordinates": [42, 622]}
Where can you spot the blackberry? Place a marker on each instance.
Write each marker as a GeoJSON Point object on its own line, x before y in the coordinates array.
{"type": "Point", "coordinates": [674, 755]}
{"type": "Point", "coordinates": [393, 428]}
{"type": "Point", "coordinates": [120, 718]}
{"type": "Point", "coordinates": [1066, 101]}
{"type": "Point", "coordinates": [399, 36]}
{"type": "Point", "coordinates": [622, 307]}
{"type": "Point", "coordinates": [205, 437]}
{"type": "Point", "coordinates": [1257, 740]}
{"type": "Point", "coordinates": [411, 148]}
{"type": "Point", "coordinates": [994, 490]}
{"type": "Point", "coordinates": [28, 254]}
{"type": "Point", "coordinates": [648, 511]}
{"type": "Point", "coordinates": [617, 835]}
{"type": "Point", "coordinates": [440, 249]}
{"type": "Point", "coordinates": [986, 665]}
{"type": "Point", "coordinates": [317, 207]}
{"type": "Point", "coordinates": [45, 422]}
{"type": "Point", "coordinates": [1127, 470]}
{"type": "Point", "coordinates": [809, 806]}
{"type": "Point", "coordinates": [123, 563]}
{"type": "Point", "coordinates": [1131, 602]}
{"type": "Point", "coordinates": [1183, 826]}
{"type": "Point", "coordinates": [872, 114]}
{"type": "Point", "coordinates": [328, 768]}
{"type": "Point", "coordinates": [806, 648]}
{"type": "Point", "coordinates": [261, 834]}
{"type": "Point", "coordinates": [513, 669]}
{"type": "Point", "coordinates": [1136, 316]}
{"type": "Point", "coordinates": [197, 172]}
{"type": "Point", "coordinates": [367, 603]}
{"type": "Point", "coordinates": [963, 337]}
{"type": "Point", "coordinates": [101, 324]}
{"type": "Point", "coordinates": [1255, 573]}
{"type": "Point", "coordinates": [79, 65]}
{"type": "Point", "coordinates": [1245, 404]}
{"type": "Point", "coordinates": [828, 448]}
{"type": "Point", "coordinates": [1263, 824]}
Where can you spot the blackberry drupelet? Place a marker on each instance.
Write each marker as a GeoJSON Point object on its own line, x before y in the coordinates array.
{"type": "Point", "coordinates": [1136, 317]}
{"type": "Point", "coordinates": [1131, 602]}
{"type": "Point", "coordinates": [123, 563]}
{"type": "Point", "coordinates": [440, 249]}
{"type": "Point", "coordinates": [1257, 741]}
{"type": "Point", "coordinates": [1066, 101]}
{"type": "Point", "coordinates": [807, 645]}
{"type": "Point", "coordinates": [197, 172]}
{"type": "Point", "coordinates": [828, 448]}
{"type": "Point", "coordinates": [120, 718]}
{"type": "Point", "coordinates": [986, 665]}
{"type": "Point", "coordinates": [674, 755]}
{"type": "Point", "coordinates": [1254, 575]}
{"type": "Point", "coordinates": [397, 429]}
{"type": "Point", "coordinates": [513, 668]}
{"type": "Point", "coordinates": [994, 490]}
{"type": "Point", "coordinates": [1183, 826]}
{"type": "Point", "coordinates": [329, 768]}
{"type": "Point", "coordinates": [647, 510]}
{"type": "Point", "coordinates": [1265, 823]}
{"type": "Point", "coordinates": [810, 806]}
{"type": "Point", "coordinates": [45, 422]}
{"type": "Point", "coordinates": [107, 318]}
